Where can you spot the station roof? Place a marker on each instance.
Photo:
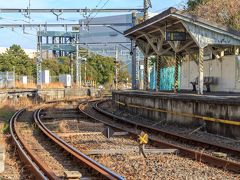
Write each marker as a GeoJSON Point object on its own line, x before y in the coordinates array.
{"type": "Point", "coordinates": [150, 35]}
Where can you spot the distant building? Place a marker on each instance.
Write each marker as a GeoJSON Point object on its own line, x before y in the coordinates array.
{"type": "Point", "coordinates": [102, 40]}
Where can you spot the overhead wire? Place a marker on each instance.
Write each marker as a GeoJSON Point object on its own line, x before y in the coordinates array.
{"type": "Point", "coordinates": [16, 32]}
{"type": "Point", "coordinates": [87, 17]}
{"type": "Point", "coordinates": [178, 5]}
{"type": "Point", "coordinates": [35, 35]}
{"type": "Point", "coordinates": [95, 7]}
{"type": "Point", "coordinates": [97, 12]}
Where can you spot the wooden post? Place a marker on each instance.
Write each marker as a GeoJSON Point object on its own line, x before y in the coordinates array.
{"type": "Point", "coordinates": [200, 67]}
{"type": "Point", "coordinates": [145, 73]}
{"type": "Point", "coordinates": [177, 62]}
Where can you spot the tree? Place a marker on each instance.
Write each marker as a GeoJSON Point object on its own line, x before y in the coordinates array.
{"type": "Point", "coordinates": [99, 68]}
{"type": "Point", "coordinates": [104, 66]}
{"type": "Point", "coordinates": [123, 74]}
{"type": "Point", "coordinates": [192, 4]}
{"type": "Point", "coordinates": [15, 57]}
{"type": "Point", "coordinates": [219, 11]}
{"type": "Point", "coordinates": [64, 65]}
{"type": "Point", "coordinates": [52, 65]}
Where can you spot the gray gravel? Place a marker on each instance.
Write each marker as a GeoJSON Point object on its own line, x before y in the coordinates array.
{"type": "Point", "coordinates": [135, 166]}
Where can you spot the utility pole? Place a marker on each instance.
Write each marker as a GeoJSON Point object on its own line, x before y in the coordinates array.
{"type": "Point", "coordinates": [78, 63]}
{"type": "Point", "coordinates": [145, 5]}
{"type": "Point", "coordinates": [80, 72]}
{"type": "Point", "coordinates": [77, 67]}
{"type": "Point", "coordinates": [85, 71]}
{"type": "Point", "coordinates": [116, 68]}
{"type": "Point", "coordinates": [39, 61]}
{"type": "Point", "coordinates": [134, 54]}
{"type": "Point", "coordinates": [71, 63]}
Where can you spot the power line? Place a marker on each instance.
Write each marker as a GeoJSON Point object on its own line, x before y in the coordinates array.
{"type": "Point", "coordinates": [84, 14]}
{"type": "Point", "coordinates": [22, 34]}
{"type": "Point", "coordinates": [95, 7]}
{"type": "Point", "coordinates": [64, 25]}
{"type": "Point", "coordinates": [27, 13]}
{"type": "Point", "coordinates": [97, 12]}
{"type": "Point", "coordinates": [178, 5]}
{"type": "Point", "coordinates": [67, 10]}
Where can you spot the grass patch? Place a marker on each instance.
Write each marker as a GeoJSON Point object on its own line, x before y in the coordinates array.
{"type": "Point", "coordinates": [5, 115]}
{"type": "Point", "coordinates": [5, 128]}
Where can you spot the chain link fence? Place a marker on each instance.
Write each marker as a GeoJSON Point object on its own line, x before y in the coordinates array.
{"type": "Point", "coordinates": [7, 80]}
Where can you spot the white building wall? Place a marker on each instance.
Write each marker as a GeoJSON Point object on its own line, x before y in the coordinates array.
{"type": "Point", "coordinates": [189, 72]}
{"type": "Point", "coordinates": [226, 69]}
{"type": "Point", "coordinates": [237, 73]}
{"type": "Point", "coordinates": [45, 76]}
{"type": "Point", "coordinates": [65, 79]}
{"type": "Point", "coordinates": [24, 79]}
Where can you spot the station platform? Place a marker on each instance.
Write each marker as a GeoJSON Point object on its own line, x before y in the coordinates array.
{"type": "Point", "coordinates": [218, 112]}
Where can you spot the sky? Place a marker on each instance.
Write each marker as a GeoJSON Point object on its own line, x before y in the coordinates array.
{"type": "Point", "coordinates": [28, 41]}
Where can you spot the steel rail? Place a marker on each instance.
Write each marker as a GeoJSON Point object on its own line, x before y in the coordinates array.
{"type": "Point", "coordinates": [75, 152]}
{"type": "Point", "coordinates": [38, 168]}
{"type": "Point", "coordinates": [193, 154]}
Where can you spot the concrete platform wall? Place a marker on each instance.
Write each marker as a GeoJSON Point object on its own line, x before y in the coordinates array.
{"type": "Point", "coordinates": [150, 104]}
{"type": "Point", "coordinates": [55, 94]}
{"type": "Point", "coordinates": [47, 94]}
{"type": "Point", "coordinates": [226, 69]}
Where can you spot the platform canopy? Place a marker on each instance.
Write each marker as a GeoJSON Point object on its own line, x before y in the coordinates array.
{"type": "Point", "coordinates": [150, 35]}
{"type": "Point", "coordinates": [173, 33]}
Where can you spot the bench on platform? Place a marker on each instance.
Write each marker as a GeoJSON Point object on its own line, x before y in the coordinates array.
{"type": "Point", "coordinates": [207, 81]}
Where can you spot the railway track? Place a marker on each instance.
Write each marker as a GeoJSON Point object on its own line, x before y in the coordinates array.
{"type": "Point", "coordinates": [48, 156]}
{"type": "Point", "coordinates": [175, 136]}
{"type": "Point", "coordinates": [25, 153]}
{"type": "Point", "coordinates": [163, 138]}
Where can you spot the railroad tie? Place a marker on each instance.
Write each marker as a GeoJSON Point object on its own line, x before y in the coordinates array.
{"type": "Point", "coordinates": [72, 175]}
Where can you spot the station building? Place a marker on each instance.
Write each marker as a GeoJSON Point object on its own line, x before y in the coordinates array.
{"type": "Point", "coordinates": [176, 34]}
{"type": "Point", "coordinates": [205, 58]}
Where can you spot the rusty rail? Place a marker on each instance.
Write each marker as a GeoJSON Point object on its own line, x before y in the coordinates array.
{"type": "Point", "coordinates": [38, 168]}
{"type": "Point", "coordinates": [73, 151]}
{"type": "Point", "coordinates": [193, 154]}
{"type": "Point", "coordinates": [204, 144]}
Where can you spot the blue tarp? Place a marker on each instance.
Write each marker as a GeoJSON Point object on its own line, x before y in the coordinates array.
{"type": "Point", "coordinates": [166, 78]}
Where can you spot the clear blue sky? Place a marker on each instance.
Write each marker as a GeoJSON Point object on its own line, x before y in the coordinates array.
{"type": "Point", "coordinates": [9, 36]}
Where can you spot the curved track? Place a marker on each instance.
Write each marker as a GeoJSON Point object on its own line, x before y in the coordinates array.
{"type": "Point", "coordinates": [39, 169]}
{"type": "Point", "coordinates": [92, 110]}
{"type": "Point", "coordinates": [73, 151]}
{"type": "Point", "coordinates": [175, 136]}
